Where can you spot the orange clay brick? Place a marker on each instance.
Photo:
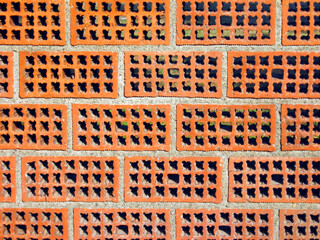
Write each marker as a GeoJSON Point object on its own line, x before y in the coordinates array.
{"type": "Point", "coordinates": [133, 22]}
{"type": "Point", "coordinates": [6, 74]}
{"type": "Point", "coordinates": [173, 74]}
{"type": "Point", "coordinates": [241, 22]}
{"type": "Point", "coordinates": [300, 22]}
{"type": "Point", "coordinates": [32, 22]}
{"type": "Point", "coordinates": [274, 74]}
{"type": "Point", "coordinates": [33, 223]}
{"type": "Point", "coordinates": [300, 127]}
{"type": "Point", "coordinates": [85, 179]}
{"type": "Point", "coordinates": [68, 74]}
{"type": "Point", "coordinates": [226, 224]}
{"type": "Point", "coordinates": [274, 179]}
{"type": "Point", "coordinates": [226, 127]}
{"type": "Point", "coordinates": [153, 224]}
{"type": "Point", "coordinates": [7, 179]}
{"type": "Point", "coordinates": [299, 224]}
{"type": "Point", "coordinates": [33, 126]}
{"type": "Point", "coordinates": [121, 127]}
{"type": "Point", "coordinates": [167, 179]}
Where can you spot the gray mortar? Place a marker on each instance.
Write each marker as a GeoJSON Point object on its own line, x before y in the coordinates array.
{"type": "Point", "coordinates": [159, 100]}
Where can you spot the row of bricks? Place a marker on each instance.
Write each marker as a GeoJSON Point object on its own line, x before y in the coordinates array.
{"type": "Point", "coordinates": [155, 224]}
{"type": "Point", "coordinates": [203, 22]}
{"type": "Point", "coordinates": [148, 127]}
{"type": "Point", "coordinates": [166, 74]}
{"type": "Point", "coordinates": [162, 179]}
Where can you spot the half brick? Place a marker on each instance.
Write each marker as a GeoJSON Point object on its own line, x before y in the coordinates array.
{"type": "Point", "coordinates": [226, 127]}
{"type": "Point", "coordinates": [32, 22]}
{"type": "Point", "coordinates": [300, 128]}
{"type": "Point", "coordinates": [274, 179]}
{"type": "Point", "coordinates": [274, 74]}
{"type": "Point", "coordinates": [33, 223]}
{"type": "Point", "coordinates": [121, 127]}
{"type": "Point", "coordinates": [33, 126]}
{"type": "Point", "coordinates": [120, 22]}
{"type": "Point", "coordinates": [86, 179]}
{"type": "Point", "coordinates": [173, 74]}
{"type": "Point", "coordinates": [6, 74]}
{"type": "Point", "coordinates": [7, 179]}
{"type": "Point", "coordinates": [68, 74]}
{"type": "Point", "coordinates": [121, 224]}
{"type": "Point", "coordinates": [224, 224]}
{"type": "Point", "coordinates": [174, 179]}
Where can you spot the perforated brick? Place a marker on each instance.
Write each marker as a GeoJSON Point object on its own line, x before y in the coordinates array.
{"type": "Point", "coordinates": [121, 127]}
{"type": "Point", "coordinates": [153, 224]}
{"type": "Point", "coordinates": [7, 179]}
{"type": "Point", "coordinates": [68, 74]}
{"type": "Point", "coordinates": [274, 179]}
{"type": "Point", "coordinates": [300, 128]}
{"type": "Point", "coordinates": [173, 74]}
{"type": "Point", "coordinates": [164, 179]}
{"type": "Point", "coordinates": [299, 224]}
{"type": "Point", "coordinates": [226, 127]}
{"type": "Point", "coordinates": [32, 22]}
{"type": "Point", "coordinates": [300, 22]}
{"type": "Point", "coordinates": [120, 22]}
{"type": "Point", "coordinates": [240, 22]}
{"type": "Point", "coordinates": [6, 74]}
{"type": "Point", "coordinates": [274, 74]}
{"type": "Point", "coordinates": [224, 224]}
{"type": "Point", "coordinates": [34, 223]}
{"type": "Point", "coordinates": [33, 126]}
{"type": "Point", "coordinates": [84, 179]}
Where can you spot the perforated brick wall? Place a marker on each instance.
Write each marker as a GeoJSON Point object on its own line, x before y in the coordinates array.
{"type": "Point", "coordinates": [160, 119]}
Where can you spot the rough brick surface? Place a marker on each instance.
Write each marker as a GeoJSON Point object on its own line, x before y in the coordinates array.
{"type": "Point", "coordinates": [184, 179]}
{"type": "Point", "coordinates": [121, 224]}
{"type": "Point", "coordinates": [68, 74]}
{"type": "Point", "coordinates": [173, 74]}
{"type": "Point", "coordinates": [6, 74]}
{"type": "Point", "coordinates": [120, 22]}
{"type": "Point", "coordinates": [121, 127]}
{"type": "Point", "coordinates": [7, 179]}
{"type": "Point", "coordinates": [241, 22]}
{"type": "Point", "coordinates": [300, 128]}
{"type": "Point", "coordinates": [33, 126]}
{"type": "Point", "coordinates": [224, 224]}
{"type": "Point", "coordinates": [32, 22]}
{"type": "Point", "coordinates": [85, 179]}
{"type": "Point", "coordinates": [225, 127]}
{"type": "Point", "coordinates": [274, 74]}
{"type": "Point", "coordinates": [33, 223]}
{"type": "Point", "coordinates": [299, 224]}
{"type": "Point", "coordinates": [274, 179]}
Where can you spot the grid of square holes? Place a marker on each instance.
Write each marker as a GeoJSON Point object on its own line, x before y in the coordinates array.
{"type": "Point", "coordinates": [121, 224]}
{"type": "Point", "coordinates": [300, 127]}
{"type": "Point", "coordinates": [70, 179]}
{"type": "Point", "coordinates": [68, 74]}
{"type": "Point", "coordinates": [224, 224]}
{"type": "Point", "coordinates": [33, 126]}
{"type": "Point", "coordinates": [186, 179]}
{"type": "Point", "coordinates": [32, 22]}
{"type": "Point", "coordinates": [274, 180]}
{"type": "Point", "coordinates": [174, 74]}
{"type": "Point", "coordinates": [6, 74]}
{"type": "Point", "coordinates": [7, 179]}
{"type": "Point", "coordinates": [33, 223]}
{"type": "Point", "coordinates": [121, 127]}
{"type": "Point", "coordinates": [274, 75]}
{"type": "Point", "coordinates": [299, 224]}
{"type": "Point", "coordinates": [240, 22]}
{"type": "Point", "coordinates": [301, 22]}
{"type": "Point", "coordinates": [120, 22]}
{"type": "Point", "coordinates": [224, 127]}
